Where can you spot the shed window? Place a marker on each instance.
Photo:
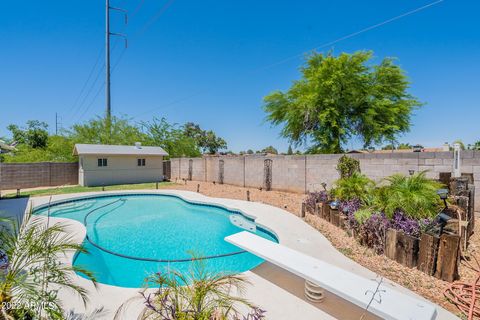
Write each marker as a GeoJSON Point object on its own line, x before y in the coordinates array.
{"type": "Point", "coordinates": [141, 162]}
{"type": "Point", "coordinates": [102, 162]}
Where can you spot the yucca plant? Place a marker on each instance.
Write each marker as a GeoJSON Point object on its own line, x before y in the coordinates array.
{"type": "Point", "coordinates": [31, 273]}
{"type": "Point", "coordinates": [198, 295]}
{"type": "Point", "coordinates": [416, 196]}
{"type": "Point", "coordinates": [356, 186]}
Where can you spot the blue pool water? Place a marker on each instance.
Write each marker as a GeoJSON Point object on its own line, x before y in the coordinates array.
{"type": "Point", "coordinates": [159, 227]}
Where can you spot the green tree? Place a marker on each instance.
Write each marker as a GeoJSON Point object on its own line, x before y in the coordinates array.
{"type": "Point", "coordinates": [401, 146]}
{"type": "Point", "coordinates": [117, 131]}
{"type": "Point", "coordinates": [404, 146]}
{"type": "Point", "coordinates": [34, 135]}
{"type": "Point", "coordinates": [476, 146]}
{"type": "Point", "coordinates": [344, 97]}
{"type": "Point", "coordinates": [389, 146]}
{"type": "Point", "coordinates": [290, 150]}
{"type": "Point", "coordinates": [269, 149]}
{"type": "Point", "coordinates": [206, 140]}
{"type": "Point", "coordinates": [460, 142]}
{"type": "Point", "coordinates": [171, 138]}
{"type": "Point", "coordinates": [250, 151]}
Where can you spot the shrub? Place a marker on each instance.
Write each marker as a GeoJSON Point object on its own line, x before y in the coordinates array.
{"type": "Point", "coordinates": [349, 206]}
{"type": "Point", "coordinates": [362, 215]}
{"type": "Point", "coordinates": [373, 231]}
{"type": "Point", "coordinates": [357, 186]}
{"type": "Point", "coordinates": [416, 196]}
{"type": "Point", "coordinates": [347, 166]}
{"type": "Point", "coordinates": [315, 197]}
{"type": "Point", "coordinates": [412, 227]}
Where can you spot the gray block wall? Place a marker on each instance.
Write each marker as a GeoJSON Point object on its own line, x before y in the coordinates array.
{"type": "Point", "coordinates": [42, 174]}
{"type": "Point", "coordinates": [306, 173]}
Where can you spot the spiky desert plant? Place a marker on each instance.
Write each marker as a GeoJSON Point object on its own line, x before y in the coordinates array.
{"type": "Point", "coordinates": [416, 196]}
{"type": "Point", "coordinates": [198, 295]}
{"type": "Point", "coordinates": [356, 186]}
{"type": "Point", "coordinates": [31, 273]}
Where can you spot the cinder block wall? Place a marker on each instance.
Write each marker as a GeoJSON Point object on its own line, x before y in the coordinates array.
{"type": "Point", "coordinates": [306, 173]}
{"type": "Point", "coordinates": [31, 175]}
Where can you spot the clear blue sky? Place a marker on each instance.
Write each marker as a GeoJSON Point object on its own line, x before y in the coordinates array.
{"type": "Point", "coordinates": [204, 61]}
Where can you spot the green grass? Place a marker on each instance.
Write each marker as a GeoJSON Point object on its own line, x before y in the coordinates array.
{"type": "Point", "coordinates": [78, 189]}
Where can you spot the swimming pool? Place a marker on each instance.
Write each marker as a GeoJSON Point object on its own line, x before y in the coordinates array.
{"type": "Point", "coordinates": [131, 236]}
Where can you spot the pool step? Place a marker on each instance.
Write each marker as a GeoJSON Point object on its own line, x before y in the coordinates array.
{"type": "Point", "coordinates": [243, 223]}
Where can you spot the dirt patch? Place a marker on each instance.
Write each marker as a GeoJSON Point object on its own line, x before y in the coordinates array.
{"type": "Point", "coordinates": [427, 286]}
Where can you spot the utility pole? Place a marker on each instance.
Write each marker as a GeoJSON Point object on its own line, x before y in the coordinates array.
{"type": "Point", "coordinates": [56, 123]}
{"type": "Point", "coordinates": [107, 59]}
{"type": "Point", "coordinates": [108, 106]}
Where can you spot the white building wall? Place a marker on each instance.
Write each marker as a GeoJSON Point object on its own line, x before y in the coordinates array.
{"type": "Point", "coordinates": [121, 169]}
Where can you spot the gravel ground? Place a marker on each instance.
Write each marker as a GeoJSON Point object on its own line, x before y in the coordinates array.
{"type": "Point", "coordinates": [427, 286]}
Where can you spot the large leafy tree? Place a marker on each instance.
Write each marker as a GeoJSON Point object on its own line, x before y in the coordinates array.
{"type": "Point", "coordinates": [343, 97]}
{"type": "Point", "coordinates": [269, 149]}
{"type": "Point", "coordinates": [206, 140]}
{"type": "Point", "coordinates": [58, 149]}
{"type": "Point", "coordinates": [476, 145]}
{"type": "Point", "coordinates": [34, 135]}
{"type": "Point", "coordinates": [116, 130]}
{"type": "Point", "coordinates": [401, 146]}
{"type": "Point", "coordinates": [171, 137]}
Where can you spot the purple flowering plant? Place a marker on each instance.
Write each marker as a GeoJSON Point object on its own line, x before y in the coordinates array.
{"type": "Point", "coordinates": [315, 197]}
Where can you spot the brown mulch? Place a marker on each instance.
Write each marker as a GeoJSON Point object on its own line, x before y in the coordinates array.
{"type": "Point", "coordinates": [427, 286]}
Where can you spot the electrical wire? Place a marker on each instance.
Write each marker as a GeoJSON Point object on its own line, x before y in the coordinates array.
{"type": "Point", "coordinates": [155, 17]}
{"type": "Point", "coordinates": [84, 86]}
{"type": "Point", "coordinates": [354, 34]}
{"type": "Point", "coordinates": [327, 44]}
{"type": "Point", "coordinates": [146, 26]}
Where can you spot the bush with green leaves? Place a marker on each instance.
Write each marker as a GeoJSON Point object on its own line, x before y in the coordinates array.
{"type": "Point", "coordinates": [362, 215]}
{"type": "Point", "coordinates": [347, 166]}
{"type": "Point", "coordinates": [357, 186]}
{"type": "Point", "coordinates": [416, 196]}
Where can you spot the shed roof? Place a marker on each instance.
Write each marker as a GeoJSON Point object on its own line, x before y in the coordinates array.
{"type": "Point", "coordinates": [106, 149]}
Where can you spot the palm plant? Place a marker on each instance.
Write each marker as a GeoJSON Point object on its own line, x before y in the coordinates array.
{"type": "Point", "coordinates": [356, 186]}
{"type": "Point", "coordinates": [32, 274]}
{"type": "Point", "coordinates": [416, 196]}
{"type": "Point", "coordinates": [198, 295]}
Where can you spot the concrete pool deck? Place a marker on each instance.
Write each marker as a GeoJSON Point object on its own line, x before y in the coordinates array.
{"type": "Point", "coordinates": [277, 291]}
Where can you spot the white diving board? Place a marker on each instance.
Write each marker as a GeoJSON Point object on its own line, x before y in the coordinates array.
{"type": "Point", "coordinates": [387, 303]}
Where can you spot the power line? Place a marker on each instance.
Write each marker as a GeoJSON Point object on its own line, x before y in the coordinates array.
{"type": "Point", "coordinates": [147, 25]}
{"type": "Point", "coordinates": [330, 43]}
{"type": "Point", "coordinates": [155, 17]}
{"type": "Point", "coordinates": [72, 108]}
{"type": "Point", "coordinates": [351, 35]}
{"type": "Point", "coordinates": [92, 86]}
{"type": "Point", "coordinates": [92, 101]}
{"type": "Point", "coordinates": [100, 89]}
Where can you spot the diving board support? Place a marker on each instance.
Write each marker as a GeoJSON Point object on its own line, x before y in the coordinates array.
{"type": "Point", "coordinates": [381, 300]}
